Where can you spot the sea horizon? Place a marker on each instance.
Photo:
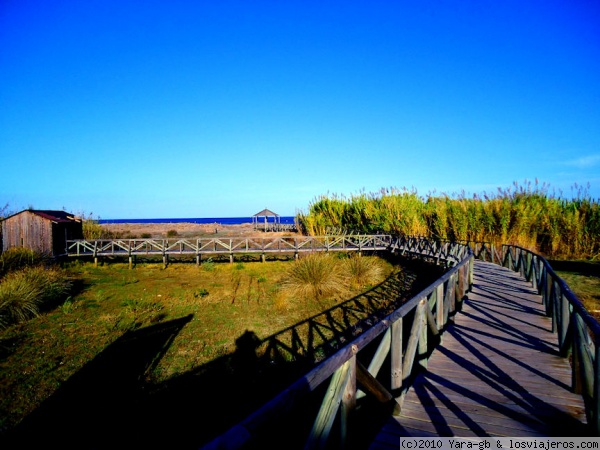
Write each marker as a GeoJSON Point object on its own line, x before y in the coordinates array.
{"type": "Point", "coordinates": [203, 220]}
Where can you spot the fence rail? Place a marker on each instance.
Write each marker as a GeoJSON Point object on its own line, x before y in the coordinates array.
{"type": "Point", "coordinates": [578, 331]}
{"type": "Point", "coordinates": [225, 246]}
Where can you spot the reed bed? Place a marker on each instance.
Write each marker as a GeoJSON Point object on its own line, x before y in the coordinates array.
{"type": "Point", "coordinates": [528, 215]}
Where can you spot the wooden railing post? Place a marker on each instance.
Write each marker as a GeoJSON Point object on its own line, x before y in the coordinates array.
{"type": "Point", "coordinates": [348, 402]}
{"type": "Point", "coordinates": [439, 306]}
{"type": "Point", "coordinates": [396, 355]}
{"type": "Point", "coordinates": [595, 403]}
{"type": "Point", "coordinates": [324, 421]}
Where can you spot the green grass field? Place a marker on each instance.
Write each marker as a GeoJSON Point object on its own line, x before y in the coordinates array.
{"type": "Point", "coordinates": [151, 343]}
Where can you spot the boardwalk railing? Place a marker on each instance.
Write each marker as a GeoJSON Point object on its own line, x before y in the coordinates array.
{"type": "Point", "coordinates": [404, 339]}
{"type": "Point", "coordinates": [225, 246]}
{"type": "Point", "coordinates": [578, 332]}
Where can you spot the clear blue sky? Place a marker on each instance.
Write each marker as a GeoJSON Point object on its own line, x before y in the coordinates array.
{"type": "Point", "coordinates": [156, 109]}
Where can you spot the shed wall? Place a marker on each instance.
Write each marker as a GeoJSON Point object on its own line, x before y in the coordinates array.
{"type": "Point", "coordinates": [27, 230]}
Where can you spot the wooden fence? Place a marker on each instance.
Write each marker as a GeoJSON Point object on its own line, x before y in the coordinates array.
{"type": "Point", "coordinates": [225, 246]}
{"type": "Point", "coordinates": [578, 331]}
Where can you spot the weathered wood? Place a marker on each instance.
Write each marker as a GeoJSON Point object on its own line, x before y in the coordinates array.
{"type": "Point", "coordinates": [217, 246]}
{"type": "Point", "coordinates": [43, 231]}
{"type": "Point", "coordinates": [370, 384]}
{"type": "Point", "coordinates": [497, 373]}
{"type": "Point", "coordinates": [396, 354]}
{"type": "Point", "coordinates": [348, 402]}
{"type": "Point", "coordinates": [413, 342]}
{"type": "Point", "coordinates": [329, 408]}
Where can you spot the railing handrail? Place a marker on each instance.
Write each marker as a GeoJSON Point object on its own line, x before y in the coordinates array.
{"type": "Point", "coordinates": [569, 294]}
{"type": "Point", "coordinates": [578, 332]}
{"type": "Point", "coordinates": [218, 244]}
{"type": "Point", "coordinates": [343, 368]}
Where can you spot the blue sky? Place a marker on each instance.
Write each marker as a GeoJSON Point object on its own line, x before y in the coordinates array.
{"type": "Point", "coordinates": [156, 109]}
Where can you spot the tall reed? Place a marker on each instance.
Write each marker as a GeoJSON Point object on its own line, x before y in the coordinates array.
{"type": "Point", "coordinates": [525, 214]}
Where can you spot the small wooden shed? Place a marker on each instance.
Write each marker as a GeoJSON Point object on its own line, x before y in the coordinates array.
{"type": "Point", "coordinates": [265, 214]}
{"type": "Point", "coordinates": [43, 231]}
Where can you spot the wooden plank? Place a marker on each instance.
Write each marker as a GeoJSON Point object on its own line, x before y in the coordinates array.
{"type": "Point", "coordinates": [497, 372]}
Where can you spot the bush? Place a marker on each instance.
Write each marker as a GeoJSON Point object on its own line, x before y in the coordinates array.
{"type": "Point", "coordinates": [16, 258]}
{"type": "Point", "coordinates": [91, 227]}
{"type": "Point", "coordinates": [364, 270]}
{"type": "Point", "coordinates": [24, 292]}
{"type": "Point", "coordinates": [172, 233]}
{"type": "Point", "coordinates": [317, 275]}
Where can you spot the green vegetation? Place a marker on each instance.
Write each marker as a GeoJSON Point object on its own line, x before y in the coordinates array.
{"type": "Point", "coordinates": [28, 285]}
{"type": "Point", "coordinates": [324, 275]}
{"type": "Point", "coordinates": [583, 277]}
{"type": "Point", "coordinates": [527, 215]}
{"type": "Point", "coordinates": [315, 276]}
{"type": "Point", "coordinates": [25, 292]}
{"type": "Point", "coordinates": [91, 227]}
{"type": "Point", "coordinates": [92, 311]}
{"type": "Point", "coordinates": [18, 258]}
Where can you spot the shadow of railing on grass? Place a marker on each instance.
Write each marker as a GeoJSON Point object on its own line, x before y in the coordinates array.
{"type": "Point", "coordinates": [111, 400]}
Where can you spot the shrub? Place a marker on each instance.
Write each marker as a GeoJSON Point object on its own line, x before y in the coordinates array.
{"type": "Point", "coordinates": [209, 265]}
{"type": "Point", "coordinates": [363, 270]}
{"type": "Point", "coordinates": [172, 233]}
{"type": "Point", "coordinates": [91, 227]}
{"type": "Point", "coordinates": [16, 258]}
{"type": "Point", "coordinates": [23, 293]}
{"type": "Point", "coordinates": [317, 275]}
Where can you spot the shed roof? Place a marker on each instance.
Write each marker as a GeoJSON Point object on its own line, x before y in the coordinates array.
{"type": "Point", "coordinates": [266, 212]}
{"type": "Point", "coordinates": [53, 215]}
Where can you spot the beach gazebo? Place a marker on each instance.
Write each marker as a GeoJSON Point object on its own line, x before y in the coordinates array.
{"type": "Point", "coordinates": [264, 216]}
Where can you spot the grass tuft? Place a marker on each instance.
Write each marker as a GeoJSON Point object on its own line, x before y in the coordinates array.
{"type": "Point", "coordinates": [23, 293]}
{"type": "Point", "coordinates": [316, 276]}
{"type": "Point", "coordinates": [364, 270]}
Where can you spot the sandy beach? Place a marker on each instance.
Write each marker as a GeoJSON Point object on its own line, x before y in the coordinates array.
{"type": "Point", "coordinates": [187, 230]}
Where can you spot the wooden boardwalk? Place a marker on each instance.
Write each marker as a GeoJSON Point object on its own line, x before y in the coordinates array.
{"type": "Point", "coordinates": [497, 371]}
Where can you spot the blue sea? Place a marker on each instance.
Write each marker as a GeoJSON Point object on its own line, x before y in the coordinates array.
{"type": "Point", "coordinates": [219, 220]}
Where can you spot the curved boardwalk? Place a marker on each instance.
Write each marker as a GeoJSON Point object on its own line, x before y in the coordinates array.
{"type": "Point", "coordinates": [497, 371]}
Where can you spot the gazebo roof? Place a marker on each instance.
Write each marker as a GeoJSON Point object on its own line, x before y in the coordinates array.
{"type": "Point", "coordinates": [266, 213]}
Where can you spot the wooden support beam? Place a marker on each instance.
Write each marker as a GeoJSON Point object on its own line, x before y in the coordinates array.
{"type": "Point", "coordinates": [370, 384]}
{"type": "Point", "coordinates": [396, 357]}
{"type": "Point", "coordinates": [329, 407]}
{"type": "Point", "coordinates": [348, 403]}
{"type": "Point", "coordinates": [413, 343]}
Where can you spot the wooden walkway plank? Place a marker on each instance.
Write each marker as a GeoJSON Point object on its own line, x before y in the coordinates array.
{"type": "Point", "coordinates": [497, 371]}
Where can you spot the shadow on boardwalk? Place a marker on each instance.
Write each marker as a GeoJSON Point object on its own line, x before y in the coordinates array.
{"type": "Point", "coordinates": [109, 403]}
{"type": "Point", "coordinates": [497, 372]}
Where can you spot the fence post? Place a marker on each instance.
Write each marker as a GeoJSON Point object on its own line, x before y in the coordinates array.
{"type": "Point", "coordinates": [596, 391]}
{"type": "Point", "coordinates": [396, 355]}
{"type": "Point", "coordinates": [348, 402]}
